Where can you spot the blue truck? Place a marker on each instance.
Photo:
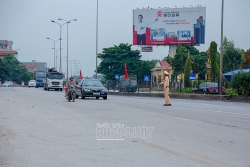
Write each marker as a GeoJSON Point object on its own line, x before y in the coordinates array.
{"type": "Point", "coordinates": [129, 85]}
{"type": "Point", "coordinates": [39, 76]}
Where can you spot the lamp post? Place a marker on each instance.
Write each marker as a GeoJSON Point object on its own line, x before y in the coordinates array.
{"type": "Point", "coordinates": [56, 55]}
{"type": "Point", "coordinates": [60, 65]}
{"type": "Point", "coordinates": [67, 22]}
{"type": "Point", "coordinates": [54, 50]}
{"type": "Point", "coordinates": [71, 66]}
{"type": "Point", "coordinates": [76, 68]}
{"type": "Point", "coordinates": [221, 49]}
{"type": "Point", "coordinates": [96, 40]}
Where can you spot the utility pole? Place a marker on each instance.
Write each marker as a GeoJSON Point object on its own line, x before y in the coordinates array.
{"type": "Point", "coordinates": [221, 50]}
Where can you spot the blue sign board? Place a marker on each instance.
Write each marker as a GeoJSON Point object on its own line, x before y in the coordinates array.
{"type": "Point", "coordinates": [146, 78]}
{"type": "Point", "coordinates": [192, 76]}
{"type": "Point", "coordinates": [117, 76]}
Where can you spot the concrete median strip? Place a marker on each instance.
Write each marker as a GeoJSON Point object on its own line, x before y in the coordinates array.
{"type": "Point", "coordinates": [186, 96]}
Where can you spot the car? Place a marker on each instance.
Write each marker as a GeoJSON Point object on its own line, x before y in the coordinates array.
{"type": "Point", "coordinates": [91, 88]}
{"type": "Point", "coordinates": [32, 83]}
{"type": "Point", "coordinates": [8, 84]}
{"type": "Point", "coordinates": [208, 88]}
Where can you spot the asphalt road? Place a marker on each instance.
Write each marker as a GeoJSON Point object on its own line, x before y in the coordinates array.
{"type": "Point", "coordinates": [40, 128]}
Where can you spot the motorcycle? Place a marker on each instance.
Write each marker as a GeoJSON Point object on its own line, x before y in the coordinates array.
{"type": "Point", "coordinates": [71, 93]}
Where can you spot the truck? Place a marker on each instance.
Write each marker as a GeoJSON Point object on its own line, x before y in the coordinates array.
{"type": "Point", "coordinates": [53, 80]}
{"type": "Point", "coordinates": [39, 76]}
{"type": "Point", "coordinates": [128, 85]}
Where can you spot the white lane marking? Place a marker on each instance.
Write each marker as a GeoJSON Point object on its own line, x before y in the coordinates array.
{"type": "Point", "coordinates": [198, 109]}
{"type": "Point", "coordinates": [216, 111]}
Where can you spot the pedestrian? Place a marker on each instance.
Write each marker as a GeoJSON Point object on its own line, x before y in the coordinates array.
{"type": "Point", "coordinates": [166, 89]}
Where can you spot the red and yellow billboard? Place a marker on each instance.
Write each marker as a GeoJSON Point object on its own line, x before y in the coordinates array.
{"type": "Point", "coordinates": [169, 26]}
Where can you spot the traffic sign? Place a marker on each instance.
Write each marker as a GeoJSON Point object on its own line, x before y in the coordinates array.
{"type": "Point", "coordinates": [146, 78]}
{"type": "Point", "coordinates": [192, 76]}
{"type": "Point", "coordinates": [117, 76]}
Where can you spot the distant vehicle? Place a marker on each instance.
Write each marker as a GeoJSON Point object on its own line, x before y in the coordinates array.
{"type": "Point", "coordinates": [91, 88]}
{"type": "Point", "coordinates": [8, 84]}
{"type": "Point", "coordinates": [39, 77]}
{"type": "Point", "coordinates": [129, 85]}
{"type": "Point", "coordinates": [53, 80]}
{"type": "Point", "coordinates": [32, 83]}
{"type": "Point", "coordinates": [208, 88]}
{"type": "Point", "coordinates": [112, 84]}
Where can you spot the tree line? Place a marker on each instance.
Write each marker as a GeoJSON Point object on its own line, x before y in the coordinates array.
{"type": "Point", "coordinates": [186, 60]}
{"type": "Point", "coordinates": [12, 69]}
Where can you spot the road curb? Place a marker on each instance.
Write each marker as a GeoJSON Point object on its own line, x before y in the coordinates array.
{"type": "Point", "coordinates": [187, 96]}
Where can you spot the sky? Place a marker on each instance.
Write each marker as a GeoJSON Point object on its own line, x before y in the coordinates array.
{"type": "Point", "coordinates": [28, 24]}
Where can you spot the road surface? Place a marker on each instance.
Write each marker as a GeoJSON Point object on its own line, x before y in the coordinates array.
{"type": "Point", "coordinates": [40, 128]}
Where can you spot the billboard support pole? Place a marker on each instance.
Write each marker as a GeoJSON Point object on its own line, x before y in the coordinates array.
{"type": "Point", "coordinates": [172, 50]}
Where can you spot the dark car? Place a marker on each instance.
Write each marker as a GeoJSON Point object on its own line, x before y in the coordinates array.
{"type": "Point", "coordinates": [208, 88]}
{"type": "Point", "coordinates": [91, 88]}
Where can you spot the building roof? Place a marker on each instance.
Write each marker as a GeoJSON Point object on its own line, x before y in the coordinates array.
{"type": "Point", "coordinates": [6, 51]}
{"type": "Point", "coordinates": [236, 71]}
{"type": "Point", "coordinates": [40, 65]}
{"type": "Point", "coordinates": [164, 63]}
{"type": "Point", "coordinates": [4, 41]}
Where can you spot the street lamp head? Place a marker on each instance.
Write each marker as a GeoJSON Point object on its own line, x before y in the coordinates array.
{"type": "Point", "coordinates": [68, 22]}
{"type": "Point", "coordinates": [47, 38]}
{"type": "Point", "coordinates": [52, 21]}
{"type": "Point", "coordinates": [74, 19]}
{"type": "Point", "coordinates": [59, 19]}
{"type": "Point", "coordinates": [60, 38]}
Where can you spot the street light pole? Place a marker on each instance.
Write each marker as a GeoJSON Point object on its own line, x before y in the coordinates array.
{"type": "Point", "coordinates": [96, 40]}
{"type": "Point", "coordinates": [54, 49]}
{"type": "Point", "coordinates": [60, 65]}
{"type": "Point", "coordinates": [71, 66]}
{"type": "Point", "coordinates": [67, 22]}
{"type": "Point", "coordinates": [221, 49]}
{"type": "Point", "coordinates": [56, 57]}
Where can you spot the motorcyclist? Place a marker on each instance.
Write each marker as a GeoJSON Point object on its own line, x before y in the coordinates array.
{"type": "Point", "coordinates": [69, 83]}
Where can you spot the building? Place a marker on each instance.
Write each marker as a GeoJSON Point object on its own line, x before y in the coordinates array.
{"type": "Point", "coordinates": [157, 73]}
{"type": "Point", "coordinates": [35, 66]}
{"type": "Point", "coordinates": [6, 48]}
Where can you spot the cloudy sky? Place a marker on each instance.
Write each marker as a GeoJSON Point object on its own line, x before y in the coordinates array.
{"type": "Point", "coordinates": [28, 23]}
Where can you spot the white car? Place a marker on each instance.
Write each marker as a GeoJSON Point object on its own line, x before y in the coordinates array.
{"type": "Point", "coordinates": [8, 84]}
{"type": "Point", "coordinates": [32, 83]}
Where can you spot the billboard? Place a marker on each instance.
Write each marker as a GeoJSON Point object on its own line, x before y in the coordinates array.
{"type": "Point", "coordinates": [169, 26]}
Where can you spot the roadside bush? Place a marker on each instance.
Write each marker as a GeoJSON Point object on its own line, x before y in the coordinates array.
{"type": "Point", "coordinates": [231, 92]}
{"type": "Point", "coordinates": [187, 90]}
{"type": "Point", "coordinates": [241, 83]}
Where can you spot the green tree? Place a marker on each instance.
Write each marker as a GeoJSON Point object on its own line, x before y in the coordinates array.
{"type": "Point", "coordinates": [246, 63]}
{"type": "Point", "coordinates": [232, 57]}
{"type": "Point", "coordinates": [192, 50]}
{"type": "Point", "coordinates": [17, 71]}
{"type": "Point", "coordinates": [169, 59]}
{"type": "Point", "coordinates": [4, 71]}
{"type": "Point", "coordinates": [114, 58]}
{"type": "Point", "coordinates": [179, 60]}
{"type": "Point", "coordinates": [187, 71]}
{"type": "Point", "coordinates": [199, 64]}
{"type": "Point", "coordinates": [241, 83]}
{"type": "Point", "coordinates": [144, 68]}
{"type": "Point", "coordinates": [25, 75]}
{"type": "Point", "coordinates": [213, 58]}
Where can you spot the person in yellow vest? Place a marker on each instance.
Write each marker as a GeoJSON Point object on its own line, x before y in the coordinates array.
{"type": "Point", "coordinates": [165, 82]}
